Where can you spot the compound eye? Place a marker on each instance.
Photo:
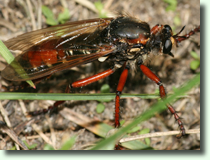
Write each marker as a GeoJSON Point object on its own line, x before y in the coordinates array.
{"type": "Point", "coordinates": [168, 28]}
{"type": "Point", "coordinates": [167, 31]}
{"type": "Point", "coordinates": [167, 46]}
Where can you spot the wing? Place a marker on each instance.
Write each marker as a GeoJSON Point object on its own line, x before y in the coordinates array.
{"type": "Point", "coordinates": [70, 29]}
{"type": "Point", "coordinates": [57, 48]}
{"type": "Point", "coordinates": [14, 72]}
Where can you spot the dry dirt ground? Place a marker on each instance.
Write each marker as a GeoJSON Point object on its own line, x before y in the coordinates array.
{"type": "Point", "coordinates": [17, 18]}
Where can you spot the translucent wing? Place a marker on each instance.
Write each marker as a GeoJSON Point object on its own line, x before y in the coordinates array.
{"type": "Point", "coordinates": [21, 73]}
{"type": "Point", "coordinates": [57, 48]}
{"type": "Point", "coordinates": [70, 29]}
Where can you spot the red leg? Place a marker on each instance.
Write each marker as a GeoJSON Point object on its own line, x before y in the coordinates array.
{"type": "Point", "coordinates": [120, 87]}
{"type": "Point", "coordinates": [154, 78]}
{"type": "Point", "coordinates": [91, 79]}
{"type": "Point", "coordinates": [186, 36]}
{"type": "Point", "coordinates": [76, 84]}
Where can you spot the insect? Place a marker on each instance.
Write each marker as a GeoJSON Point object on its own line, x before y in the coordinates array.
{"type": "Point", "coordinates": [124, 41]}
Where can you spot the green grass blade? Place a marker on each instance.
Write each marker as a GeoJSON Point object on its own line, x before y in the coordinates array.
{"type": "Point", "coordinates": [7, 55]}
{"type": "Point", "coordinates": [69, 96]}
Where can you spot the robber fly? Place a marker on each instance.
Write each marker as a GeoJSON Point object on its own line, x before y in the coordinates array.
{"type": "Point", "coordinates": [125, 41]}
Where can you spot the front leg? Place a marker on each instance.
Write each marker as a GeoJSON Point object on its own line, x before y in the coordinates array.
{"type": "Point", "coordinates": [154, 78]}
{"type": "Point", "coordinates": [120, 87]}
{"type": "Point", "coordinates": [76, 84]}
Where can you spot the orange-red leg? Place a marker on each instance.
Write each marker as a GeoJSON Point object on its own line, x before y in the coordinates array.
{"type": "Point", "coordinates": [120, 87]}
{"type": "Point", "coordinates": [76, 84]}
{"type": "Point", "coordinates": [91, 79]}
{"type": "Point", "coordinates": [186, 36]}
{"type": "Point", "coordinates": [154, 78]}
